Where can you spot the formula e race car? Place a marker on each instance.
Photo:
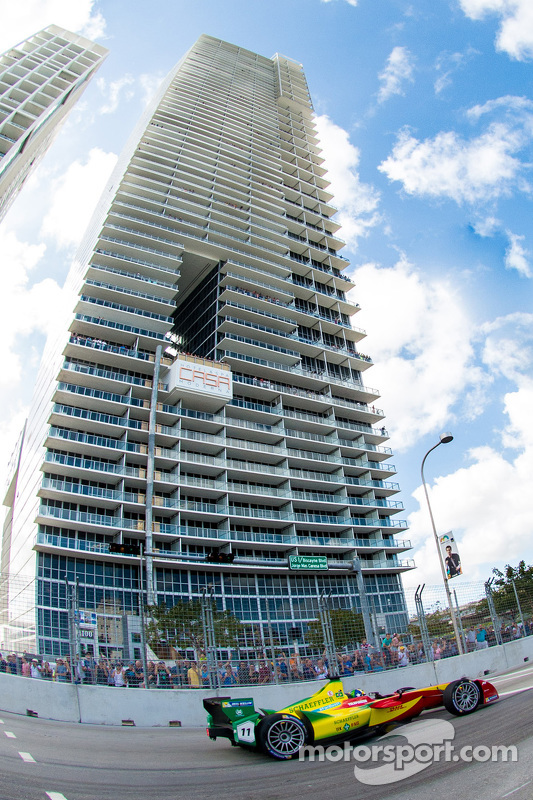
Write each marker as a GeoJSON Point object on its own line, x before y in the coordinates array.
{"type": "Point", "coordinates": [330, 716]}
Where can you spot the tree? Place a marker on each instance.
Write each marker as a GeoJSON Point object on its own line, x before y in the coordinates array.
{"type": "Point", "coordinates": [181, 626]}
{"type": "Point", "coordinates": [504, 596]}
{"type": "Point", "coordinates": [348, 629]}
{"type": "Point", "coordinates": [438, 624]}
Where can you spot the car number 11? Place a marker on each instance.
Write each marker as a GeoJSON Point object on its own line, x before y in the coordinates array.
{"type": "Point", "coordinates": [246, 732]}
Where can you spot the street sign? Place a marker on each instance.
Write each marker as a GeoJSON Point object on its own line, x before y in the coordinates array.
{"type": "Point", "coordinates": [308, 562]}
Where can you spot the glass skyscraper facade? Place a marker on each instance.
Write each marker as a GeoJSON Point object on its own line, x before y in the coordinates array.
{"type": "Point", "coordinates": [209, 394]}
{"type": "Point", "coordinates": [40, 80]}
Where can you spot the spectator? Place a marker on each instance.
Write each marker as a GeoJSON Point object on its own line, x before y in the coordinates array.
{"type": "Point", "coordinates": [47, 672]}
{"type": "Point", "coordinates": [164, 679]}
{"type": "Point", "coordinates": [358, 663]}
{"type": "Point", "coordinates": [12, 666]}
{"type": "Point", "coordinates": [403, 658]}
{"type": "Point", "coordinates": [395, 643]}
{"type": "Point", "coordinates": [345, 665]}
{"type": "Point", "coordinates": [25, 667]}
{"type": "Point", "coordinates": [193, 676]}
{"type": "Point", "coordinates": [204, 674]}
{"type": "Point", "coordinates": [179, 673]}
{"type": "Point", "coordinates": [470, 640]}
{"type": "Point", "coordinates": [308, 671]}
{"type": "Point", "coordinates": [294, 672]}
{"type": "Point", "coordinates": [265, 673]}
{"type": "Point", "coordinates": [131, 676]}
{"type": "Point", "coordinates": [376, 665]}
{"type": "Point", "coordinates": [481, 638]}
{"type": "Point", "coordinates": [229, 678]}
{"type": "Point", "coordinates": [102, 673]}
{"type": "Point", "coordinates": [3, 663]}
{"type": "Point", "coordinates": [152, 674]}
{"type": "Point", "coordinates": [294, 659]}
{"type": "Point", "coordinates": [62, 671]}
{"type": "Point", "coordinates": [35, 669]}
{"type": "Point", "coordinates": [282, 668]}
{"type": "Point", "coordinates": [139, 671]}
{"type": "Point", "coordinates": [86, 669]}
{"type": "Point", "coordinates": [366, 647]}
{"type": "Point", "coordinates": [243, 672]}
{"type": "Point", "coordinates": [119, 676]}
{"type": "Point", "coordinates": [321, 669]}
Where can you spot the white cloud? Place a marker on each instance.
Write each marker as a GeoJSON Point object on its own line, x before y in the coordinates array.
{"type": "Point", "coordinates": [74, 197]}
{"type": "Point", "coordinates": [486, 503]}
{"type": "Point", "coordinates": [22, 20]}
{"type": "Point", "coordinates": [517, 257]}
{"type": "Point", "coordinates": [508, 347]}
{"type": "Point", "coordinates": [150, 84]}
{"type": "Point", "coordinates": [427, 367]}
{"type": "Point", "coordinates": [350, 2]}
{"type": "Point", "coordinates": [447, 64]}
{"type": "Point", "coordinates": [113, 91]}
{"type": "Point", "coordinates": [24, 309]}
{"type": "Point", "coordinates": [398, 71]}
{"type": "Point", "coordinates": [480, 169]}
{"type": "Point", "coordinates": [518, 107]}
{"type": "Point", "coordinates": [515, 35]}
{"type": "Point", "coordinates": [486, 226]}
{"type": "Point", "coordinates": [357, 201]}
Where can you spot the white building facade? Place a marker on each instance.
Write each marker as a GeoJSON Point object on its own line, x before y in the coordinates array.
{"type": "Point", "coordinates": [209, 395]}
{"type": "Point", "coordinates": [40, 80]}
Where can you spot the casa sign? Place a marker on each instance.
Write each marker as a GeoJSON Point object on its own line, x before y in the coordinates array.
{"type": "Point", "coordinates": [202, 378]}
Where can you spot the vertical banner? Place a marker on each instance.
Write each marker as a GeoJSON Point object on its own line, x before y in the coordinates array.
{"type": "Point", "coordinates": [450, 555]}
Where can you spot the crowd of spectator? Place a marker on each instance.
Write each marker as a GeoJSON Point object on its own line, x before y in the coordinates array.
{"type": "Point", "coordinates": [391, 652]}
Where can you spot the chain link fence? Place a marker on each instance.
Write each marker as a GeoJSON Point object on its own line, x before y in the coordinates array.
{"type": "Point", "coordinates": [196, 644]}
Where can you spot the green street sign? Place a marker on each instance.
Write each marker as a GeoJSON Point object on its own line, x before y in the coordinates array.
{"type": "Point", "coordinates": [308, 562]}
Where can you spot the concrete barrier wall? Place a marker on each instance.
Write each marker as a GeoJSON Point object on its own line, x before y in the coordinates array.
{"type": "Point", "coordinates": [102, 705]}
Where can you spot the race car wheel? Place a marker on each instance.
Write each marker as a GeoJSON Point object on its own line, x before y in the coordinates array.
{"type": "Point", "coordinates": [461, 697]}
{"type": "Point", "coordinates": [281, 735]}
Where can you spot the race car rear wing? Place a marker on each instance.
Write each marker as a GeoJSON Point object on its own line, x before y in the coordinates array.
{"type": "Point", "coordinates": [225, 710]}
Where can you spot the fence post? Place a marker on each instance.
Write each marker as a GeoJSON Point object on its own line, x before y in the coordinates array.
{"type": "Point", "coordinates": [71, 611]}
{"type": "Point", "coordinates": [327, 633]}
{"type": "Point", "coordinates": [210, 644]}
{"type": "Point", "coordinates": [460, 621]}
{"type": "Point", "coordinates": [492, 611]}
{"type": "Point", "coordinates": [365, 610]}
{"type": "Point", "coordinates": [375, 631]}
{"type": "Point", "coordinates": [141, 615]}
{"type": "Point", "coordinates": [271, 641]}
{"type": "Point", "coordinates": [523, 631]}
{"type": "Point", "coordinates": [424, 633]}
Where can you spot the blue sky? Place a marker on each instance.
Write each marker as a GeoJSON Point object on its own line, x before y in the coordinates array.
{"type": "Point", "coordinates": [425, 112]}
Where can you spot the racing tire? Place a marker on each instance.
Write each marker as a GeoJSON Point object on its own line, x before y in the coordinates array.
{"type": "Point", "coordinates": [462, 697]}
{"type": "Point", "coordinates": [281, 735]}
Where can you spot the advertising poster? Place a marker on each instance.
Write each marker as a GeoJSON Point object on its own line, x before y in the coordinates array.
{"type": "Point", "coordinates": [450, 555]}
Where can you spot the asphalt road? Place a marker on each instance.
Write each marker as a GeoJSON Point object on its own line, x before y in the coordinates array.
{"type": "Point", "coordinates": [45, 760]}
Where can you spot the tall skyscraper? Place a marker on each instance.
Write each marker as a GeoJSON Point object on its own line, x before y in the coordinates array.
{"type": "Point", "coordinates": [40, 80]}
{"type": "Point", "coordinates": [208, 399]}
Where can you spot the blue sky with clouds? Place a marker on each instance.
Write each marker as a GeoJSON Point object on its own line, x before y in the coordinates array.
{"type": "Point", "coordinates": [425, 112]}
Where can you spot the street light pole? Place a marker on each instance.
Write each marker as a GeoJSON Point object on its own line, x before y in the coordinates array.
{"type": "Point", "coordinates": [444, 439]}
